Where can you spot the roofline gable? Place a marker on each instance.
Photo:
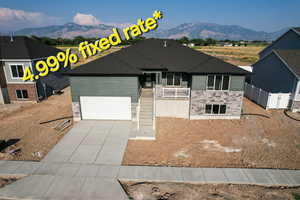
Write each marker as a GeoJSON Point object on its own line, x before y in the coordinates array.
{"type": "Point", "coordinates": [269, 46]}
{"type": "Point", "coordinates": [286, 64]}
{"type": "Point", "coordinates": [295, 31]}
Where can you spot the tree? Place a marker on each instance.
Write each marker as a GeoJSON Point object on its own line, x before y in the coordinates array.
{"type": "Point", "coordinates": [184, 40]}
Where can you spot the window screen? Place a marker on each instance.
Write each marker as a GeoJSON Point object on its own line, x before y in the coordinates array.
{"type": "Point", "coordinates": [169, 78]}
{"type": "Point", "coordinates": [216, 109]}
{"type": "Point", "coordinates": [208, 108]}
{"type": "Point", "coordinates": [177, 79]}
{"type": "Point", "coordinates": [218, 83]}
{"type": "Point", "coordinates": [17, 71]}
{"type": "Point", "coordinates": [225, 85]}
{"type": "Point", "coordinates": [210, 82]}
{"type": "Point", "coordinates": [19, 94]}
{"type": "Point", "coordinates": [222, 109]}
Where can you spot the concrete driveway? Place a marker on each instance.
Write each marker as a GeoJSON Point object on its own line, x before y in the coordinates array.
{"type": "Point", "coordinates": [92, 142]}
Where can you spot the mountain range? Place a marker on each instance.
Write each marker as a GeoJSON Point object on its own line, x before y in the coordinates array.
{"type": "Point", "coordinates": [190, 30]}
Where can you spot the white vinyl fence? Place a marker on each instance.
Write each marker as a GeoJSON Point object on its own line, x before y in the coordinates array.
{"type": "Point", "coordinates": [266, 99]}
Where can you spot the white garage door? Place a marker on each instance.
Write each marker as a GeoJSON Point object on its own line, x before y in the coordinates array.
{"type": "Point", "coordinates": [106, 108]}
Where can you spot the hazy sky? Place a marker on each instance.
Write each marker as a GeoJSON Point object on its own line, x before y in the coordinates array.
{"type": "Point", "coordinates": [266, 15]}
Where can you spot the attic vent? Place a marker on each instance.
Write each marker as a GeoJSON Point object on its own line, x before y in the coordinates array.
{"type": "Point", "coordinates": [165, 43]}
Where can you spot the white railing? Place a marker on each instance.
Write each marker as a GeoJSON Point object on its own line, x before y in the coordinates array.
{"type": "Point", "coordinates": [175, 92]}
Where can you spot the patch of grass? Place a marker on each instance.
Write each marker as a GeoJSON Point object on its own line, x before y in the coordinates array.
{"type": "Point", "coordinates": [296, 196]}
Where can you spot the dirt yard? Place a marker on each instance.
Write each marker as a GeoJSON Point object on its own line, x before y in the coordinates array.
{"type": "Point", "coordinates": [252, 142]}
{"type": "Point", "coordinates": [234, 55]}
{"type": "Point", "coordinates": [188, 191]}
{"type": "Point", "coordinates": [22, 121]}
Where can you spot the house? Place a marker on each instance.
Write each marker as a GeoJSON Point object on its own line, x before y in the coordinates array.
{"type": "Point", "coordinates": [289, 40]}
{"type": "Point", "coordinates": [278, 70]}
{"type": "Point", "coordinates": [157, 78]}
{"type": "Point", "coordinates": [18, 52]}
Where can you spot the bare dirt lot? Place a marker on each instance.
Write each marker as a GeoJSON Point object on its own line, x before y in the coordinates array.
{"type": "Point", "coordinates": [22, 121]}
{"type": "Point", "coordinates": [252, 142]}
{"type": "Point", "coordinates": [189, 191]}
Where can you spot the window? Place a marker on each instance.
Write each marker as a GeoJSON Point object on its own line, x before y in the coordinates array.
{"type": "Point", "coordinates": [17, 71]}
{"type": "Point", "coordinates": [222, 109]}
{"type": "Point", "coordinates": [215, 109]}
{"type": "Point", "coordinates": [208, 108]}
{"type": "Point", "coordinates": [225, 85]}
{"type": "Point", "coordinates": [210, 82]}
{"type": "Point", "coordinates": [173, 79]}
{"type": "Point", "coordinates": [22, 94]}
{"type": "Point", "coordinates": [158, 78]}
{"type": "Point", "coordinates": [217, 82]}
{"type": "Point", "coordinates": [177, 77]}
{"type": "Point", "coordinates": [170, 78]}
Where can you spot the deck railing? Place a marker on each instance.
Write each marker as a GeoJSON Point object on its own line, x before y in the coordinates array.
{"type": "Point", "coordinates": [175, 92]}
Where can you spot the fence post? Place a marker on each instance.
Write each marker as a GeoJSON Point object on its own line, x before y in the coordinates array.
{"type": "Point", "coordinates": [258, 98]}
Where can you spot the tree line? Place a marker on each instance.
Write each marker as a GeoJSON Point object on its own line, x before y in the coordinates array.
{"type": "Point", "coordinates": [184, 40]}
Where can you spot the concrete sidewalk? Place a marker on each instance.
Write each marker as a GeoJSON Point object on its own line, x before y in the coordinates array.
{"type": "Point", "coordinates": [182, 174]}
{"type": "Point", "coordinates": [86, 164]}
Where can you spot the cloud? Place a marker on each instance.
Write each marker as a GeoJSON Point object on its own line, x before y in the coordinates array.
{"type": "Point", "coordinates": [85, 19]}
{"type": "Point", "coordinates": [11, 19]}
{"type": "Point", "coordinates": [88, 19]}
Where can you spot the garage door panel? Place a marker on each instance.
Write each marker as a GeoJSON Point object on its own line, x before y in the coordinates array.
{"type": "Point", "coordinates": [106, 108]}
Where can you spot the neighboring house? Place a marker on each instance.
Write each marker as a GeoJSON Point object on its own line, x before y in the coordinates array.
{"type": "Point", "coordinates": [289, 40]}
{"type": "Point", "coordinates": [18, 52]}
{"type": "Point", "coordinates": [278, 70]}
{"type": "Point", "coordinates": [157, 78]}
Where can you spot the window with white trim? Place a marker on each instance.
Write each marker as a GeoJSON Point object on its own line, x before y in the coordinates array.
{"type": "Point", "coordinates": [17, 71]}
{"type": "Point", "coordinates": [217, 82]}
{"type": "Point", "coordinates": [22, 94]}
{"type": "Point", "coordinates": [215, 109]}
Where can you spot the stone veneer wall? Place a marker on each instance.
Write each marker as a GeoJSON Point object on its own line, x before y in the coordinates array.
{"type": "Point", "coordinates": [233, 100]}
{"type": "Point", "coordinates": [296, 106]}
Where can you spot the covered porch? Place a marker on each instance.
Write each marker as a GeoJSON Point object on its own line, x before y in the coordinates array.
{"type": "Point", "coordinates": [167, 84]}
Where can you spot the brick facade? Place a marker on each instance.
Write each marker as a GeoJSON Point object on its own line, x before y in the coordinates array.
{"type": "Point", "coordinates": [232, 99]}
{"type": "Point", "coordinates": [31, 89]}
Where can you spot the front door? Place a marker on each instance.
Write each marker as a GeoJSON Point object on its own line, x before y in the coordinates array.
{"type": "Point", "coordinates": [148, 80]}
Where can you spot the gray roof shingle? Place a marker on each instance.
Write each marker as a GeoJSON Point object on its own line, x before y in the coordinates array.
{"type": "Point", "coordinates": [151, 54]}
{"type": "Point", "coordinates": [24, 48]}
{"type": "Point", "coordinates": [292, 59]}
